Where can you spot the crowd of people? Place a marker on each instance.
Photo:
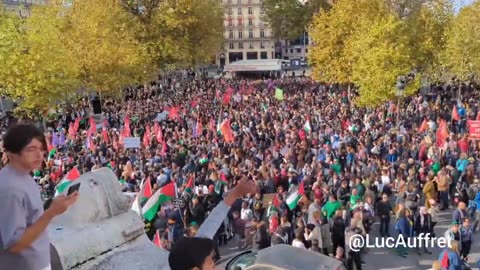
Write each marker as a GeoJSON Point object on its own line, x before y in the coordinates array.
{"type": "Point", "coordinates": [325, 169]}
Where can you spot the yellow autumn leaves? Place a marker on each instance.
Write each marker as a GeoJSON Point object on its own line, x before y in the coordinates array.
{"type": "Point", "coordinates": [371, 42]}
{"type": "Point", "coordinates": [62, 51]}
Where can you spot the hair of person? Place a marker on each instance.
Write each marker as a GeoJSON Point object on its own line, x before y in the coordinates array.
{"type": "Point", "coordinates": [190, 252]}
{"type": "Point", "coordinates": [19, 136]}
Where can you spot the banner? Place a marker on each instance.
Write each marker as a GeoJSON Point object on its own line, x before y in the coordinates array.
{"type": "Point", "coordinates": [131, 142]}
{"type": "Point", "coordinates": [473, 130]}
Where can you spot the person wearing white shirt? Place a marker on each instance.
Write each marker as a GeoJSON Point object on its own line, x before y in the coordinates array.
{"type": "Point", "coordinates": [246, 213]}
{"type": "Point", "coordinates": [298, 241]}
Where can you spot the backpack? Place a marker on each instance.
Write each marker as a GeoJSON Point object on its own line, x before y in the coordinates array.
{"type": "Point", "coordinates": [445, 262]}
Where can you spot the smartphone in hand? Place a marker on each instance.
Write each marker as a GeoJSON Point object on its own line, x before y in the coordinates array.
{"type": "Point", "coordinates": [73, 188]}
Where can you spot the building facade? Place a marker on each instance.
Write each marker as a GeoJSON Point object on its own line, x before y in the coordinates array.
{"type": "Point", "coordinates": [246, 36]}
{"type": "Point", "coordinates": [295, 51]}
{"type": "Point", "coordinates": [20, 7]}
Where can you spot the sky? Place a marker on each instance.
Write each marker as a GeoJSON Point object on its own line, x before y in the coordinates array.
{"type": "Point", "coordinates": [461, 3]}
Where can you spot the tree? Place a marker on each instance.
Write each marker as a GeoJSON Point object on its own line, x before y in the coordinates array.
{"type": "Point", "coordinates": [289, 19]}
{"type": "Point", "coordinates": [183, 32]}
{"type": "Point", "coordinates": [333, 55]}
{"type": "Point", "coordinates": [101, 39]}
{"type": "Point", "coordinates": [425, 28]}
{"type": "Point", "coordinates": [462, 54]}
{"type": "Point", "coordinates": [36, 69]}
{"type": "Point", "coordinates": [383, 55]}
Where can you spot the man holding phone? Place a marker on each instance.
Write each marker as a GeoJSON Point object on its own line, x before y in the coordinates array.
{"type": "Point", "coordinates": [24, 243]}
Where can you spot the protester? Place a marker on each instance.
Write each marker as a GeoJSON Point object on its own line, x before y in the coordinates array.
{"type": "Point", "coordinates": [312, 143]}
{"type": "Point", "coordinates": [23, 239]}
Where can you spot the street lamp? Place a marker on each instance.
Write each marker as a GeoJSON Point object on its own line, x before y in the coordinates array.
{"type": "Point", "coordinates": [401, 83]}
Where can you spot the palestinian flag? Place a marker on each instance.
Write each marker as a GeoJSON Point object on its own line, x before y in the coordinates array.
{"type": "Point", "coordinates": [274, 206]}
{"type": "Point", "coordinates": [190, 184]}
{"type": "Point", "coordinates": [144, 194]}
{"type": "Point", "coordinates": [165, 194]}
{"type": "Point", "coordinates": [157, 240]}
{"type": "Point", "coordinates": [294, 197]}
{"type": "Point", "coordinates": [72, 175]}
{"type": "Point", "coordinates": [223, 178]}
{"type": "Point", "coordinates": [307, 127]}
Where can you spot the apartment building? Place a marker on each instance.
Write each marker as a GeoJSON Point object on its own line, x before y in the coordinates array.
{"type": "Point", "coordinates": [247, 36]}
{"type": "Point", "coordinates": [20, 7]}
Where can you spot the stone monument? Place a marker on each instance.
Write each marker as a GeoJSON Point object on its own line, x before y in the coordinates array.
{"type": "Point", "coordinates": [100, 231]}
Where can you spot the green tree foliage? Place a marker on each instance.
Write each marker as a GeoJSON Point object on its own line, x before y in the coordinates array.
{"type": "Point", "coordinates": [183, 32]}
{"type": "Point", "coordinates": [383, 40]}
{"type": "Point", "coordinates": [36, 68]}
{"type": "Point", "coordinates": [462, 54]}
{"type": "Point", "coordinates": [289, 19]}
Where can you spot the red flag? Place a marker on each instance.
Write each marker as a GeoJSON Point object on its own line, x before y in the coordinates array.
{"type": "Point", "coordinates": [226, 98]}
{"type": "Point", "coordinates": [147, 191]}
{"type": "Point", "coordinates": [173, 113]}
{"type": "Point", "coordinates": [276, 202]}
{"type": "Point", "coordinates": [442, 133]}
{"type": "Point", "coordinates": [424, 126]}
{"type": "Point", "coordinates": [76, 124]}
{"type": "Point", "coordinates": [455, 115]}
{"type": "Point", "coordinates": [478, 116]}
{"type": "Point", "coordinates": [227, 131]}
{"type": "Point", "coordinates": [301, 189]}
{"type": "Point", "coordinates": [93, 127]}
{"type": "Point", "coordinates": [156, 126]}
{"type": "Point", "coordinates": [59, 173]}
{"type": "Point", "coordinates": [164, 149]}
{"type": "Point", "coordinates": [159, 135]}
{"type": "Point", "coordinates": [190, 182]}
{"type": "Point", "coordinates": [105, 135]}
{"type": "Point", "coordinates": [71, 130]}
{"type": "Point", "coordinates": [73, 174]}
{"type": "Point", "coordinates": [146, 139]}
{"type": "Point", "coordinates": [126, 129]}
{"type": "Point", "coordinates": [157, 240]}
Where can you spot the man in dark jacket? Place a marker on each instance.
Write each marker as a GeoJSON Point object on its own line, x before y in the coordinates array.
{"type": "Point", "coordinates": [384, 208]}
{"type": "Point", "coordinates": [196, 211]}
{"type": "Point", "coordinates": [337, 225]}
{"type": "Point", "coordinates": [343, 193]}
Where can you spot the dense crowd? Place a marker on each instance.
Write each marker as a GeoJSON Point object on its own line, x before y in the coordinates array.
{"type": "Point", "coordinates": [350, 166]}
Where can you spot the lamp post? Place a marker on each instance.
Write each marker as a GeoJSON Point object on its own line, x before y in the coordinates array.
{"type": "Point", "coordinates": [401, 83]}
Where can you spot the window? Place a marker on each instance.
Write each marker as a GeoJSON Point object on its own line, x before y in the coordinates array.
{"type": "Point", "coordinates": [250, 22]}
{"type": "Point", "coordinates": [250, 46]}
{"type": "Point", "coordinates": [263, 55]}
{"type": "Point", "coordinates": [250, 11]}
{"type": "Point", "coordinates": [239, 2]}
{"type": "Point", "coordinates": [250, 34]}
{"type": "Point", "coordinates": [262, 33]}
{"type": "Point", "coordinates": [262, 46]}
{"type": "Point", "coordinates": [240, 45]}
{"type": "Point", "coordinates": [230, 22]}
{"type": "Point", "coordinates": [291, 50]}
{"type": "Point", "coordinates": [262, 10]}
{"type": "Point", "coordinates": [299, 50]}
{"type": "Point", "coordinates": [230, 34]}
{"type": "Point", "coordinates": [240, 34]}
{"type": "Point", "coordinates": [239, 11]}
{"type": "Point", "coordinates": [286, 50]}
{"type": "Point", "coordinates": [240, 22]}
{"type": "Point", "coordinates": [230, 11]}
{"type": "Point", "coordinates": [231, 46]}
